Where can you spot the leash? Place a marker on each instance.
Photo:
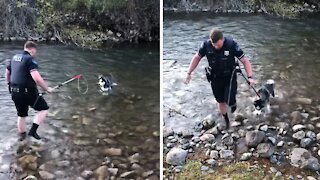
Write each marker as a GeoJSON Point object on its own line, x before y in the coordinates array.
{"type": "Point", "coordinates": [64, 83]}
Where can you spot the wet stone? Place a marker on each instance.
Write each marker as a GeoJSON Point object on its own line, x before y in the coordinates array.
{"type": "Point", "coordinates": [46, 175]}
{"type": "Point", "coordinates": [112, 152]}
{"type": "Point", "coordinates": [305, 142]}
{"type": "Point", "coordinates": [129, 174]}
{"type": "Point", "coordinates": [299, 135]}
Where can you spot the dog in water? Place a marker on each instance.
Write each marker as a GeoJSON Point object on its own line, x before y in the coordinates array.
{"type": "Point", "coordinates": [265, 93]}
{"type": "Point", "coordinates": [106, 83]}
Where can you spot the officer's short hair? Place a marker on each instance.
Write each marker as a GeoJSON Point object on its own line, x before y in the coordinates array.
{"type": "Point", "coordinates": [30, 44]}
{"type": "Point", "coordinates": [215, 35]}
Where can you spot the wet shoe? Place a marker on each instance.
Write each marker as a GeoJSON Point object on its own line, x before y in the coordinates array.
{"type": "Point", "coordinates": [22, 136]}
{"type": "Point", "coordinates": [34, 135]}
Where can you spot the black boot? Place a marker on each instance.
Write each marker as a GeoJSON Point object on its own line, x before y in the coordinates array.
{"type": "Point", "coordinates": [33, 131]}
{"type": "Point", "coordinates": [226, 118]}
{"type": "Point", "coordinates": [233, 108]}
{"type": "Point", "coordinates": [22, 136]}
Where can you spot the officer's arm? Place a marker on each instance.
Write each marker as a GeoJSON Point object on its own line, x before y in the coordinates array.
{"type": "Point", "coordinates": [38, 79]}
{"type": "Point", "coordinates": [7, 76]}
{"type": "Point", "coordinates": [194, 63]}
{"type": "Point", "coordinates": [247, 65]}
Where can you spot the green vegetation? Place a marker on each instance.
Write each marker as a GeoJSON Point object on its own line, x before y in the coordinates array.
{"type": "Point", "coordinates": [85, 23]}
{"type": "Point", "coordinates": [234, 171]}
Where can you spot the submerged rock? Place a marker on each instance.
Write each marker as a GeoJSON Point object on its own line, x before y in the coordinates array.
{"type": "Point", "coordinates": [112, 152]}
{"type": "Point", "coordinates": [176, 156]}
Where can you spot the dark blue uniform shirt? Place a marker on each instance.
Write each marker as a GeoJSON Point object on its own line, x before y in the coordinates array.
{"type": "Point", "coordinates": [20, 67]}
{"type": "Point", "coordinates": [221, 61]}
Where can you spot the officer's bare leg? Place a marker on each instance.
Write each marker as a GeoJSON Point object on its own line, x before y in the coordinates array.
{"type": "Point", "coordinates": [39, 118]}
{"type": "Point", "coordinates": [21, 123]}
{"type": "Point", "coordinates": [223, 109]}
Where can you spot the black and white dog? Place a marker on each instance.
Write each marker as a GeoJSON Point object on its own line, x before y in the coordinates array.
{"type": "Point", "coordinates": [265, 93]}
{"type": "Point", "coordinates": [106, 83]}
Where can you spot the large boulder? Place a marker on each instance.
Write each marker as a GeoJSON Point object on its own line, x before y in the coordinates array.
{"type": "Point", "coordinates": [176, 156]}
{"type": "Point", "coordinates": [302, 158]}
{"type": "Point", "coordinates": [253, 138]}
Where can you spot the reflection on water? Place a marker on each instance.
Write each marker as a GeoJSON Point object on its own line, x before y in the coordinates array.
{"type": "Point", "coordinates": [81, 128]}
{"type": "Point", "coordinates": [284, 50]}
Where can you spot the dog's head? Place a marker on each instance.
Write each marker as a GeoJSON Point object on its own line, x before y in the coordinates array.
{"type": "Point", "coordinates": [105, 82]}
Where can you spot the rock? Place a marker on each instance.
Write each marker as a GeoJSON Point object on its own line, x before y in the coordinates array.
{"type": "Point", "coordinates": [176, 156]}
{"type": "Point", "coordinates": [211, 162]}
{"type": "Point", "coordinates": [265, 150]}
{"type": "Point", "coordinates": [305, 142]}
{"type": "Point", "coordinates": [46, 175]}
{"type": "Point", "coordinates": [55, 154]}
{"type": "Point", "coordinates": [167, 131]}
{"type": "Point", "coordinates": [187, 134]}
{"type": "Point", "coordinates": [278, 174]}
{"type": "Point", "coordinates": [226, 154]}
{"type": "Point", "coordinates": [302, 158]}
{"type": "Point", "coordinates": [87, 174]}
{"type": "Point", "coordinates": [101, 173]}
{"type": "Point", "coordinates": [113, 171]}
{"type": "Point", "coordinates": [315, 119]}
{"type": "Point", "coordinates": [214, 154]}
{"type": "Point", "coordinates": [141, 128]}
{"type": "Point", "coordinates": [28, 161]}
{"type": "Point", "coordinates": [299, 135]}
{"type": "Point", "coordinates": [305, 115]}
{"type": "Point", "coordinates": [112, 152]}
{"type": "Point", "coordinates": [298, 127]}
{"type": "Point", "coordinates": [264, 128]}
{"type": "Point", "coordinates": [245, 156]}
{"type": "Point", "coordinates": [30, 177]}
{"type": "Point", "coordinates": [280, 144]}
{"type": "Point", "coordinates": [311, 178]}
{"type": "Point", "coordinates": [302, 100]}
{"type": "Point", "coordinates": [207, 138]}
{"type": "Point", "coordinates": [208, 121]}
{"type": "Point", "coordinates": [241, 146]}
{"type": "Point", "coordinates": [272, 140]}
{"type": "Point", "coordinates": [311, 135]}
{"type": "Point", "coordinates": [213, 131]}
{"type": "Point", "coordinates": [92, 109]}
{"type": "Point", "coordinates": [273, 169]}
{"type": "Point", "coordinates": [64, 163]}
{"type": "Point", "coordinates": [135, 158]}
{"type": "Point", "coordinates": [253, 138]}
{"type": "Point", "coordinates": [204, 168]}
{"type": "Point", "coordinates": [128, 175]}
{"type": "Point", "coordinates": [296, 117]}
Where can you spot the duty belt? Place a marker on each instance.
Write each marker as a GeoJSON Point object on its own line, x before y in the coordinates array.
{"type": "Point", "coordinates": [17, 89]}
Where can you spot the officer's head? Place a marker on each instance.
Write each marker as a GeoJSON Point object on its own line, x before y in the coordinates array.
{"type": "Point", "coordinates": [216, 38]}
{"type": "Point", "coordinates": [31, 47]}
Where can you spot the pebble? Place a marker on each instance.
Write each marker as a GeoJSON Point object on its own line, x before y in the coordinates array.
{"type": "Point", "coordinates": [204, 168]}
{"type": "Point", "coordinates": [128, 175]}
{"type": "Point", "coordinates": [311, 134]}
{"type": "Point", "coordinates": [112, 152]}
{"type": "Point", "coordinates": [299, 135]}
{"type": "Point", "coordinates": [311, 178]}
{"type": "Point", "coordinates": [280, 144]}
{"type": "Point", "coordinates": [87, 174]}
{"type": "Point", "coordinates": [46, 175]}
{"type": "Point", "coordinates": [245, 156]}
{"type": "Point", "coordinates": [305, 142]}
{"type": "Point", "coordinates": [207, 137]}
{"type": "Point", "coordinates": [264, 128]}
{"type": "Point", "coordinates": [214, 154]}
{"type": "Point", "coordinates": [211, 162]}
{"type": "Point", "coordinates": [298, 127]}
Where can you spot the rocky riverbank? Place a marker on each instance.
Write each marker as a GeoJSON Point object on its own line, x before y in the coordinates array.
{"type": "Point", "coordinates": [278, 7]}
{"type": "Point", "coordinates": [284, 144]}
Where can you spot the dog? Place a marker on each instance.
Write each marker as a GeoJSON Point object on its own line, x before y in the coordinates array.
{"type": "Point", "coordinates": [106, 83]}
{"type": "Point", "coordinates": [265, 93]}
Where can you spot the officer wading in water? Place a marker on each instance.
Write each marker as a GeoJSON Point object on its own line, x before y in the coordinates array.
{"type": "Point", "coordinates": [221, 73]}
{"type": "Point", "coordinates": [23, 78]}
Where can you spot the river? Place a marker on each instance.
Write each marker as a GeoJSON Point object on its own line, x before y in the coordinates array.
{"type": "Point", "coordinates": [285, 50]}
{"type": "Point", "coordinates": [81, 128]}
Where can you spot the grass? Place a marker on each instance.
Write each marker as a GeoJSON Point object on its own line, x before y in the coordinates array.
{"type": "Point", "coordinates": [234, 171]}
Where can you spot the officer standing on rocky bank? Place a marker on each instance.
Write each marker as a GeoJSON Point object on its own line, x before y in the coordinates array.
{"type": "Point", "coordinates": [221, 52]}
{"type": "Point", "coordinates": [23, 78]}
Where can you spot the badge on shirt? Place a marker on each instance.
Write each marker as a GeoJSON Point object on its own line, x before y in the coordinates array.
{"type": "Point", "coordinates": [226, 53]}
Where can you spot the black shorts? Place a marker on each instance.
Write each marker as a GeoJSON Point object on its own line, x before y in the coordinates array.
{"type": "Point", "coordinates": [23, 100]}
{"type": "Point", "coordinates": [220, 88]}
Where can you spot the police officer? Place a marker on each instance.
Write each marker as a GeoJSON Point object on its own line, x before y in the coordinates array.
{"type": "Point", "coordinates": [221, 52]}
{"type": "Point", "coordinates": [23, 78]}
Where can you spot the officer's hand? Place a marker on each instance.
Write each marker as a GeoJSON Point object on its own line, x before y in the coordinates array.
{"type": "Point", "coordinates": [188, 78]}
{"type": "Point", "coordinates": [49, 90]}
{"type": "Point", "coordinates": [251, 81]}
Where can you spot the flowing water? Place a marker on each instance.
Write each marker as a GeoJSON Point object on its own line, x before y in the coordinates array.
{"type": "Point", "coordinates": [286, 50]}
{"type": "Point", "coordinates": [81, 126]}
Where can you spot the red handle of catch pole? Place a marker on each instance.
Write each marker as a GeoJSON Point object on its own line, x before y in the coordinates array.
{"type": "Point", "coordinates": [77, 76]}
